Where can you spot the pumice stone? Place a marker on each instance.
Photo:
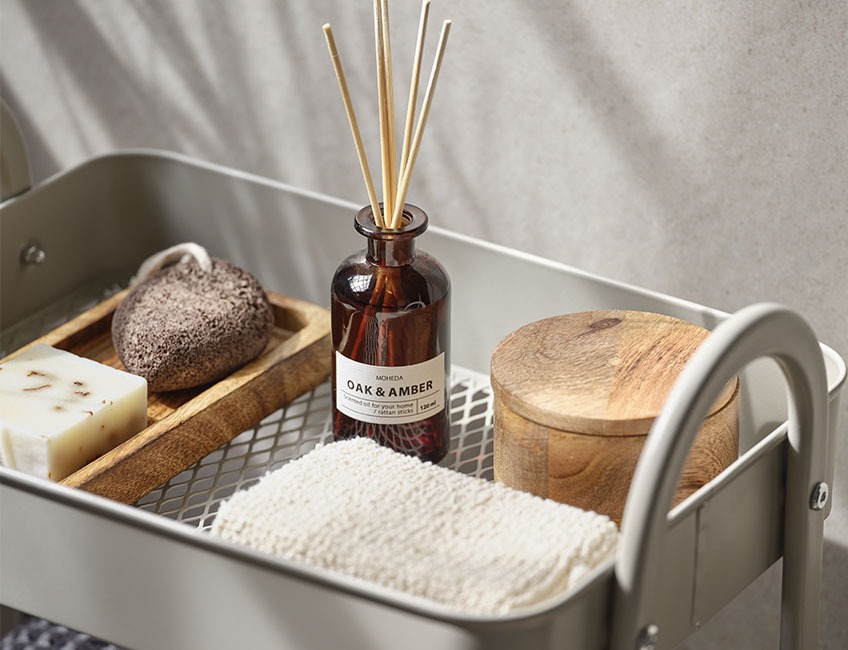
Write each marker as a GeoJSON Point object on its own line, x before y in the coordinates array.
{"type": "Point", "coordinates": [190, 323]}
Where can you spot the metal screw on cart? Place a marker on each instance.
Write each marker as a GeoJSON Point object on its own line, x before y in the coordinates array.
{"type": "Point", "coordinates": [818, 499]}
{"type": "Point", "coordinates": [648, 637]}
{"type": "Point", "coordinates": [32, 254]}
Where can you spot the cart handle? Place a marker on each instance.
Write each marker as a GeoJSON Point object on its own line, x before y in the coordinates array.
{"type": "Point", "coordinates": [760, 330]}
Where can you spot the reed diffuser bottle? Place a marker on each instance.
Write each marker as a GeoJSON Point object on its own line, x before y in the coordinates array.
{"type": "Point", "coordinates": [390, 304]}
{"type": "Point", "coordinates": [390, 307]}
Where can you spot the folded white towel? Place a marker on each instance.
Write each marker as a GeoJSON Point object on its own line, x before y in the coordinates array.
{"type": "Point", "coordinates": [362, 510]}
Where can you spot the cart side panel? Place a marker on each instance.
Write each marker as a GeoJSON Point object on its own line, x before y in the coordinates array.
{"type": "Point", "coordinates": [150, 591]}
{"type": "Point", "coordinates": [92, 225]}
{"type": "Point", "coordinates": [740, 531]}
{"type": "Point", "coordinates": [145, 584]}
{"type": "Point", "coordinates": [678, 579]}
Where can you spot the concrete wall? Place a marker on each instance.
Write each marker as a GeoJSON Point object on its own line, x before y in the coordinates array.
{"type": "Point", "coordinates": [697, 148]}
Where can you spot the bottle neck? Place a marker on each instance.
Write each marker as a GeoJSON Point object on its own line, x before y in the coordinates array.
{"type": "Point", "coordinates": [391, 247]}
{"type": "Point", "coordinates": [388, 252]}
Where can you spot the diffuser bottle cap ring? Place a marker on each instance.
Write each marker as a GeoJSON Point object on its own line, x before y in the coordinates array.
{"type": "Point", "coordinates": [413, 222]}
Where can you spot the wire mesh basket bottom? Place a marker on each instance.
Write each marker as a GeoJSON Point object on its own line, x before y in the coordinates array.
{"type": "Point", "coordinates": [193, 496]}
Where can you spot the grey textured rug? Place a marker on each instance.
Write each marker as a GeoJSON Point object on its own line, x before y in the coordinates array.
{"type": "Point", "coordinates": [35, 633]}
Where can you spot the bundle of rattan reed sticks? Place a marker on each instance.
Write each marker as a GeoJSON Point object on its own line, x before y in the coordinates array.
{"type": "Point", "coordinates": [396, 172]}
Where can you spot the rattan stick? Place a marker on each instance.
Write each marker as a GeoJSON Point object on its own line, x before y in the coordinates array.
{"type": "Point", "coordinates": [403, 188]}
{"type": "Point", "coordinates": [391, 134]}
{"type": "Point", "coordinates": [354, 127]}
{"type": "Point", "coordinates": [413, 85]}
{"type": "Point", "coordinates": [388, 195]}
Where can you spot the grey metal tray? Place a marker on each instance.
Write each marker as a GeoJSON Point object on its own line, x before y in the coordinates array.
{"type": "Point", "coordinates": [149, 576]}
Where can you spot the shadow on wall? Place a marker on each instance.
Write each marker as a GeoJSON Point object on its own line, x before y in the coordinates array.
{"type": "Point", "coordinates": [118, 92]}
{"type": "Point", "coordinates": [735, 129]}
{"type": "Point", "coordinates": [174, 75]}
{"type": "Point", "coordinates": [36, 147]}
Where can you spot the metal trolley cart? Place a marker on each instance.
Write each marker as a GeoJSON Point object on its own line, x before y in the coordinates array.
{"type": "Point", "coordinates": [150, 576]}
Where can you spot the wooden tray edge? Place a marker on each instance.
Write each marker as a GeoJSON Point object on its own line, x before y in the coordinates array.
{"type": "Point", "coordinates": [213, 417]}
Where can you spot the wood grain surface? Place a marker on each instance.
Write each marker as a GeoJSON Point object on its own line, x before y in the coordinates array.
{"type": "Point", "coordinates": [184, 426]}
{"type": "Point", "coordinates": [575, 396]}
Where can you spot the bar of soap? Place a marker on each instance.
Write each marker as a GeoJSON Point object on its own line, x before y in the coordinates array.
{"type": "Point", "coordinates": [59, 411]}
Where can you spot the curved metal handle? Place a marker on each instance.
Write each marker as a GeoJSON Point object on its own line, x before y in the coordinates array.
{"type": "Point", "coordinates": [14, 162]}
{"type": "Point", "coordinates": [763, 330]}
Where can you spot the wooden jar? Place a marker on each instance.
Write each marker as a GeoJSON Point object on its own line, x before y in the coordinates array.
{"type": "Point", "coordinates": [576, 395]}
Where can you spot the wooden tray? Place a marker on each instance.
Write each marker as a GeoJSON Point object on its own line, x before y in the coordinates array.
{"type": "Point", "coordinates": [184, 426]}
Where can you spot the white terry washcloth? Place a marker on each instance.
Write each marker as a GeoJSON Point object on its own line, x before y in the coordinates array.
{"type": "Point", "coordinates": [363, 510]}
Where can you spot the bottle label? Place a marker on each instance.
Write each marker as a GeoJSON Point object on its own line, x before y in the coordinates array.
{"type": "Point", "coordinates": [390, 394]}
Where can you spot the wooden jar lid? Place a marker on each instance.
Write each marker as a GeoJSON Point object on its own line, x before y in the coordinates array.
{"type": "Point", "coordinates": [603, 373]}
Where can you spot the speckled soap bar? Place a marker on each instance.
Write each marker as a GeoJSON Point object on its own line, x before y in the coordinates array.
{"type": "Point", "coordinates": [59, 411]}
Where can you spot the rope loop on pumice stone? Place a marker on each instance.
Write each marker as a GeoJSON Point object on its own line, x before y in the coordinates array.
{"type": "Point", "coordinates": [178, 253]}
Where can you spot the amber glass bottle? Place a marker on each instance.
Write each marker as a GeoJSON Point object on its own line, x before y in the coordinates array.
{"type": "Point", "coordinates": [391, 337]}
